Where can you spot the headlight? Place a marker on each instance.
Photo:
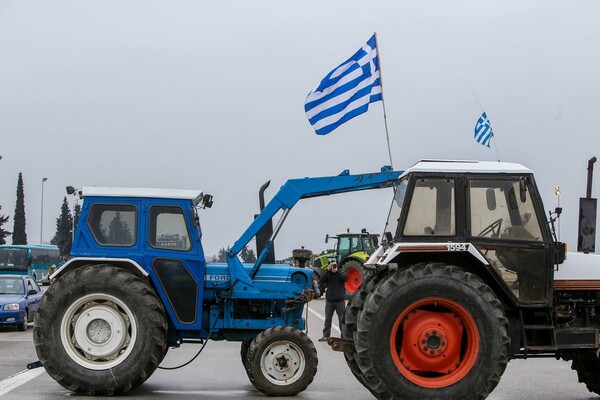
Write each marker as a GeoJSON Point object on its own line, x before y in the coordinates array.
{"type": "Point", "coordinates": [11, 307]}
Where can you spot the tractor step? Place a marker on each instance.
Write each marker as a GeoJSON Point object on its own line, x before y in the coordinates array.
{"type": "Point", "coordinates": [341, 344]}
{"type": "Point", "coordinates": [539, 327]}
{"type": "Point", "coordinates": [542, 349]}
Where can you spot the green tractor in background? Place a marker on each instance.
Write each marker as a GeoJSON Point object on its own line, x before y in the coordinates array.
{"type": "Point", "coordinates": [351, 251]}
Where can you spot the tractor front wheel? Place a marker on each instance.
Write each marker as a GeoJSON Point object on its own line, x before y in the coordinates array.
{"type": "Point", "coordinates": [432, 331]}
{"type": "Point", "coordinates": [357, 274]}
{"type": "Point", "coordinates": [100, 331]}
{"type": "Point", "coordinates": [244, 353]}
{"type": "Point", "coordinates": [281, 361]}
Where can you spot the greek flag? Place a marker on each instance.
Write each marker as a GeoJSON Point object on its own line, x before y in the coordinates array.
{"type": "Point", "coordinates": [483, 130]}
{"type": "Point", "coordinates": [346, 91]}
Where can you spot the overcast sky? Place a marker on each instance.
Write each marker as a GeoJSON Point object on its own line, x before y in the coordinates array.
{"type": "Point", "coordinates": [210, 95]}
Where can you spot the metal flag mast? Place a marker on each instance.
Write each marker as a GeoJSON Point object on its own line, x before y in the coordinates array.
{"type": "Point", "coordinates": [387, 135]}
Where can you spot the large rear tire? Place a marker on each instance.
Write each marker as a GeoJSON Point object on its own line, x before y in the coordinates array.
{"type": "Point", "coordinates": [357, 273]}
{"type": "Point", "coordinates": [100, 331]}
{"type": "Point", "coordinates": [282, 361]}
{"type": "Point", "coordinates": [432, 331]}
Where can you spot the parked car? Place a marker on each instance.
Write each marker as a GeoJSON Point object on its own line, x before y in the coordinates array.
{"type": "Point", "coordinates": [20, 297]}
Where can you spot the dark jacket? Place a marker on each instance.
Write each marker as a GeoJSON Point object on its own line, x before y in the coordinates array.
{"type": "Point", "coordinates": [334, 281]}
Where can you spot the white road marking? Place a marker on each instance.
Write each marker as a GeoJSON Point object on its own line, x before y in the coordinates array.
{"type": "Point", "coordinates": [18, 379]}
{"type": "Point", "coordinates": [322, 318]}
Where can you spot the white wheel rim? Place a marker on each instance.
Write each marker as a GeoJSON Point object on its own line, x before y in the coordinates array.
{"type": "Point", "coordinates": [282, 363]}
{"type": "Point", "coordinates": [98, 331]}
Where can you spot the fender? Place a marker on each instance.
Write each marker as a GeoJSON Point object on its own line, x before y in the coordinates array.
{"type": "Point", "coordinates": [77, 262]}
{"type": "Point", "coordinates": [384, 256]}
{"type": "Point", "coordinates": [359, 256]}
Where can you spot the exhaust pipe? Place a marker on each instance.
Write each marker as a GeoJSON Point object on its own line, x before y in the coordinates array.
{"type": "Point", "coordinates": [588, 206]}
{"type": "Point", "coordinates": [263, 236]}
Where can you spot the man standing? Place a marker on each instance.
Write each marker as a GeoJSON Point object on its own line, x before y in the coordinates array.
{"type": "Point", "coordinates": [334, 297]}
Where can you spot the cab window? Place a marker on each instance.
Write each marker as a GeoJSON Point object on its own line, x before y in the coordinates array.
{"type": "Point", "coordinates": [431, 211]}
{"type": "Point", "coordinates": [503, 210]}
{"type": "Point", "coordinates": [113, 224]}
{"type": "Point", "coordinates": [168, 229]}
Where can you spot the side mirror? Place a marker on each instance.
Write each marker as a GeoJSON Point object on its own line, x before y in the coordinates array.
{"type": "Point", "coordinates": [207, 201]}
{"type": "Point", "coordinates": [31, 292]}
{"type": "Point", "coordinates": [388, 237]}
{"type": "Point", "coordinates": [70, 190]}
{"type": "Point", "coordinates": [490, 198]}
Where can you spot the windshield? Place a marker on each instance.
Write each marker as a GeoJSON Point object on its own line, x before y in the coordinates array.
{"type": "Point", "coordinates": [11, 286]}
{"type": "Point", "coordinates": [12, 259]}
{"type": "Point", "coordinates": [391, 225]}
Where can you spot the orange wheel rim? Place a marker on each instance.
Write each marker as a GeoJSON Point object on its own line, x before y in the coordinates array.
{"type": "Point", "coordinates": [354, 279]}
{"type": "Point", "coordinates": [434, 342]}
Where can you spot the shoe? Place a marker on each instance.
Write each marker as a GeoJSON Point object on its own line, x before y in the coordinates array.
{"type": "Point", "coordinates": [324, 339]}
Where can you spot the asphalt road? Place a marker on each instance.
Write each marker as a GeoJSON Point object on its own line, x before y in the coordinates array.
{"type": "Point", "coordinates": [218, 374]}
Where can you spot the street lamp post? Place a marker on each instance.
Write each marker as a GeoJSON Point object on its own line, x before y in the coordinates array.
{"type": "Point", "coordinates": [42, 213]}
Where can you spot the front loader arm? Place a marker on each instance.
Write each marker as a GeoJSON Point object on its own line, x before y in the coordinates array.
{"type": "Point", "coordinates": [290, 193]}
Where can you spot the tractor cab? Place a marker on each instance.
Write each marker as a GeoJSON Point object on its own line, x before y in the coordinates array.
{"type": "Point", "coordinates": [353, 244]}
{"type": "Point", "coordinates": [491, 212]}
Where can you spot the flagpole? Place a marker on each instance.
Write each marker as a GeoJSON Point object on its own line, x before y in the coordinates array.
{"type": "Point", "coordinates": [387, 135]}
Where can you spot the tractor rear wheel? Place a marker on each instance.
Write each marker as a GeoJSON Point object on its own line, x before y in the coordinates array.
{"type": "Point", "coordinates": [588, 370]}
{"type": "Point", "coordinates": [282, 361]}
{"type": "Point", "coordinates": [357, 274]}
{"type": "Point", "coordinates": [100, 331]}
{"type": "Point", "coordinates": [432, 331]}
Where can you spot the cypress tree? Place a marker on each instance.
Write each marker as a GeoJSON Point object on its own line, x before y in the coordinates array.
{"type": "Point", "coordinates": [19, 235]}
{"type": "Point", "coordinates": [3, 233]}
{"type": "Point", "coordinates": [64, 223]}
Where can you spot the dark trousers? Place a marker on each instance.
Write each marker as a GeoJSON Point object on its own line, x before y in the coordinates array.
{"type": "Point", "coordinates": [330, 306]}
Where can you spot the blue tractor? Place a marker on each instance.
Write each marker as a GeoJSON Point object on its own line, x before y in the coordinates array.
{"type": "Point", "coordinates": [138, 283]}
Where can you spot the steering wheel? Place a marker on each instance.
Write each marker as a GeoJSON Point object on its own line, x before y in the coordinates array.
{"type": "Point", "coordinates": [493, 229]}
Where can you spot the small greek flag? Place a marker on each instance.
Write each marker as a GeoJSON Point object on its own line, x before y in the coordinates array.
{"type": "Point", "coordinates": [346, 91]}
{"type": "Point", "coordinates": [483, 130]}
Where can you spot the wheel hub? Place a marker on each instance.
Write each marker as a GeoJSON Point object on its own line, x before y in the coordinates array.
{"type": "Point", "coordinates": [282, 362]}
{"type": "Point", "coordinates": [354, 279]}
{"type": "Point", "coordinates": [100, 330]}
{"type": "Point", "coordinates": [434, 342]}
{"type": "Point", "coordinates": [431, 342]}
{"type": "Point", "coordinates": [97, 331]}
